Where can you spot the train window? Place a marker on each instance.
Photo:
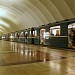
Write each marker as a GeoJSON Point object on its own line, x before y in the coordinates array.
{"type": "Point", "coordinates": [3, 37]}
{"type": "Point", "coordinates": [22, 34]}
{"type": "Point", "coordinates": [55, 31]}
{"type": "Point", "coordinates": [71, 35]}
{"type": "Point", "coordinates": [26, 33]}
{"type": "Point", "coordinates": [29, 33]}
{"type": "Point", "coordinates": [46, 35]}
{"type": "Point", "coordinates": [35, 33]}
{"type": "Point", "coordinates": [12, 36]}
{"type": "Point", "coordinates": [15, 34]}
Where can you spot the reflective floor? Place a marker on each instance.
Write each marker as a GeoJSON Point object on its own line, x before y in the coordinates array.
{"type": "Point", "coordinates": [25, 59]}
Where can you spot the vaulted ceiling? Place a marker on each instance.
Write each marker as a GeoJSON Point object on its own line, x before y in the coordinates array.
{"type": "Point", "coordinates": [21, 14]}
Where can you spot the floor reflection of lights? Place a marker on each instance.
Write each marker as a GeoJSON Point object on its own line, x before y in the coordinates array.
{"type": "Point", "coordinates": [25, 57]}
{"type": "Point", "coordinates": [16, 53]}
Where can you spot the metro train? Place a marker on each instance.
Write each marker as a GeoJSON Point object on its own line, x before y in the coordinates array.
{"type": "Point", "coordinates": [58, 34]}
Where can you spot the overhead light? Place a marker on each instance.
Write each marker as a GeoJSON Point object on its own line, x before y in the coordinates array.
{"type": "Point", "coordinates": [4, 23]}
{"type": "Point", "coordinates": [11, 36]}
{"type": "Point", "coordinates": [71, 25]}
{"type": "Point", "coordinates": [1, 30]}
{"type": "Point", "coordinates": [3, 37]}
{"type": "Point", "coordinates": [3, 12]}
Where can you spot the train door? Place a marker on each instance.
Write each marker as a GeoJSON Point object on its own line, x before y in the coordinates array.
{"type": "Point", "coordinates": [36, 36]}
{"type": "Point", "coordinates": [26, 33]}
{"type": "Point", "coordinates": [16, 36]}
{"type": "Point", "coordinates": [42, 36]}
{"type": "Point", "coordinates": [71, 35]}
{"type": "Point", "coordinates": [33, 35]}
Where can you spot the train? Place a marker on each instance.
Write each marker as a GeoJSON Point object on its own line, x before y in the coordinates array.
{"type": "Point", "coordinates": [60, 34]}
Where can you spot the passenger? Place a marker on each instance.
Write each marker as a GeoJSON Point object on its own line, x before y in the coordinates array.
{"type": "Point", "coordinates": [73, 38]}
{"type": "Point", "coordinates": [70, 39]}
{"type": "Point", "coordinates": [57, 34]}
{"type": "Point", "coordinates": [52, 34]}
{"type": "Point", "coordinates": [71, 35]}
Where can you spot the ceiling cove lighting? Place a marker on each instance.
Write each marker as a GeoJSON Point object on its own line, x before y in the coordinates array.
{"type": "Point", "coordinates": [4, 23]}
{"type": "Point", "coordinates": [3, 12]}
{"type": "Point", "coordinates": [1, 30]}
{"type": "Point", "coordinates": [1, 27]}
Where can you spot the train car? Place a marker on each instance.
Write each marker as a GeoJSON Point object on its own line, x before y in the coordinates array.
{"type": "Point", "coordinates": [21, 36]}
{"type": "Point", "coordinates": [54, 34]}
{"type": "Point", "coordinates": [30, 37]}
{"type": "Point", "coordinates": [36, 36]}
{"type": "Point", "coordinates": [57, 34]}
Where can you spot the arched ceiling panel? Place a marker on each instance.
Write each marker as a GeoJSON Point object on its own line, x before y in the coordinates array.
{"type": "Point", "coordinates": [70, 4]}
{"type": "Point", "coordinates": [52, 9]}
{"type": "Point", "coordinates": [43, 10]}
{"type": "Point", "coordinates": [13, 15]}
{"type": "Point", "coordinates": [2, 29]}
{"type": "Point", "coordinates": [63, 8]}
{"type": "Point", "coordinates": [5, 29]}
{"type": "Point", "coordinates": [37, 11]}
{"type": "Point", "coordinates": [8, 25]}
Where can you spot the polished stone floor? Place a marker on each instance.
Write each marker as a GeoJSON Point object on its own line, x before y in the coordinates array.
{"type": "Point", "coordinates": [25, 59]}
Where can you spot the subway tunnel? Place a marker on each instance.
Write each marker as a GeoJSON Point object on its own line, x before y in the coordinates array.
{"type": "Point", "coordinates": [54, 57]}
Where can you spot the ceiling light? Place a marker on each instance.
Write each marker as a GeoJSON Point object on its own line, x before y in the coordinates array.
{"type": "Point", "coordinates": [4, 23]}
{"type": "Point", "coordinates": [1, 30]}
{"type": "Point", "coordinates": [3, 12]}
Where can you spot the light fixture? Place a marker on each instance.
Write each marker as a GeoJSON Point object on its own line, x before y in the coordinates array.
{"type": "Point", "coordinates": [71, 25]}
{"type": "Point", "coordinates": [1, 30]}
{"type": "Point", "coordinates": [11, 36]}
{"type": "Point", "coordinates": [3, 12]}
{"type": "Point", "coordinates": [3, 37]}
{"type": "Point", "coordinates": [4, 23]}
{"type": "Point", "coordinates": [1, 27]}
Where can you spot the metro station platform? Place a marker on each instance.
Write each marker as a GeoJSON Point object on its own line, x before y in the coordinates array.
{"type": "Point", "coordinates": [26, 59]}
